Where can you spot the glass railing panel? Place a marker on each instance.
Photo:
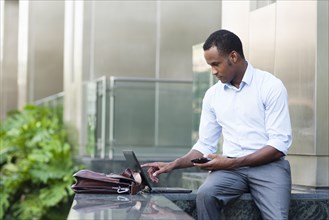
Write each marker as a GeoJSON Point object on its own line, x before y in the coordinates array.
{"type": "Point", "coordinates": [91, 125]}
{"type": "Point", "coordinates": [133, 121]}
{"type": "Point", "coordinates": [148, 115]}
{"type": "Point", "coordinates": [55, 102]}
{"type": "Point", "coordinates": [174, 114]}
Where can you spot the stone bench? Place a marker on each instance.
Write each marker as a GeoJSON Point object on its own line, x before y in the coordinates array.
{"type": "Point", "coordinates": [304, 205]}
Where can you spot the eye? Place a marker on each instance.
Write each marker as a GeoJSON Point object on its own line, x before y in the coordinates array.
{"type": "Point", "coordinates": [215, 64]}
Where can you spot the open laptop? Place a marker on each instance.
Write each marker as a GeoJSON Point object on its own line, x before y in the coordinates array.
{"type": "Point", "coordinates": [134, 164]}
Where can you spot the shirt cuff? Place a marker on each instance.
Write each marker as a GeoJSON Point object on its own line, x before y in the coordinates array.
{"type": "Point", "coordinates": [280, 145]}
{"type": "Point", "coordinates": [205, 150]}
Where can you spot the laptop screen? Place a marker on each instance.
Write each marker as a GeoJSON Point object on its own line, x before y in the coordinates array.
{"type": "Point", "coordinates": [134, 164]}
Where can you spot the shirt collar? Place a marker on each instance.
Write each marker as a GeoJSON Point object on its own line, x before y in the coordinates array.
{"type": "Point", "coordinates": [247, 78]}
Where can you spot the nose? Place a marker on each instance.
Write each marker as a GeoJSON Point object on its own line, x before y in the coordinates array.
{"type": "Point", "coordinates": [214, 71]}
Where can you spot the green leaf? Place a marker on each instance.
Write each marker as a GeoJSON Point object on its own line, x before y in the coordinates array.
{"type": "Point", "coordinates": [52, 196]}
{"type": "Point", "coordinates": [10, 167]}
{"type": "Point", "coordinates": [29, 207]}
{"type": "Point", "coordinates": [4, 203]}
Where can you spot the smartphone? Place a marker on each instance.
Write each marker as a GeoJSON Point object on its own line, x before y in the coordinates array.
{"type": "Point", "coordinates": [200, 160]}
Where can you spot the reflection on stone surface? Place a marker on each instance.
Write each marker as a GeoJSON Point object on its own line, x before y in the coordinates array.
{"type": "Point", "coordinates": [95, 204]}
{"type": "Point", "coordinates": [146, 206]}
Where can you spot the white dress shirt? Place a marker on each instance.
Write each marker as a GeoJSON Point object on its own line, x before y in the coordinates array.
{"type": "Point", "coordinates": [249, 118]}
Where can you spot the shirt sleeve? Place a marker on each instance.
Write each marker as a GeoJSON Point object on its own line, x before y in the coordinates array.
{"type": "Point", "coordinates": [209, 129]}
{"type": "Point", "coordinates": [277, 118]}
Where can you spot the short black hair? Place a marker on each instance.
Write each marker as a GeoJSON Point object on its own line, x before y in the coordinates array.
{"type": "Point", "coordinates": [225, 41]}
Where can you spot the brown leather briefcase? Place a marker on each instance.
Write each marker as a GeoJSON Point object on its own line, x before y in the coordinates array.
{"type": "Point", "coordinates": [88, 181]}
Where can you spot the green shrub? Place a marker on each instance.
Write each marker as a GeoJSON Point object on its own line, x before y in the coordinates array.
{"type": "Point", "coordinates": [36, 165]}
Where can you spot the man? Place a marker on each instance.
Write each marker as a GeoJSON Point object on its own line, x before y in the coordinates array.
{"type": "Point", "coordinates": [249, 107]}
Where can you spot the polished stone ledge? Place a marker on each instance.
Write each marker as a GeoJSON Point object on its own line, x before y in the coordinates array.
{"type": "Point", "coordinates": [304, 204]}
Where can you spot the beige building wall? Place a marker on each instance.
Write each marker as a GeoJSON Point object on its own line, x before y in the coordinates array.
{"type": "Point", "coordinates": [45, 49]}
{"type": "Point", "coordinates": [8, 56]}
{"type": "Point", "coordinates": [32, 45]}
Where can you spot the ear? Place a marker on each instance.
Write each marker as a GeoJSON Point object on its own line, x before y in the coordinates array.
{"type": "Point", "coordinates": [234, 56]}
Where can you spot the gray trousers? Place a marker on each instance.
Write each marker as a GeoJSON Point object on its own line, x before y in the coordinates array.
{"type": "Point", "coordinates": [269, 185]}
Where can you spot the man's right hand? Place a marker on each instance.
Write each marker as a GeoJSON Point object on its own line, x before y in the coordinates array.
{"type": "Point", "coordinates": [156, 168]}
